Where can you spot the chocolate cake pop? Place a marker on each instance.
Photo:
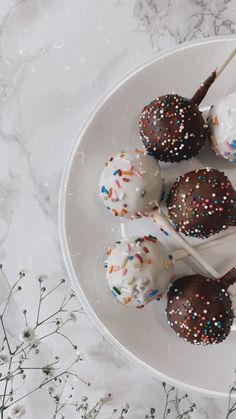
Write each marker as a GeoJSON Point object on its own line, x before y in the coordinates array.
{"type": "Point", "coordinates": [131, 184]}
{"type": "Point", "coordinates": [138, 270]}
{"type": "Point", "coordinates": [172, 127]}
{"type": "Point", "coordinates": [202, 203]}
{"type": "Point", "coordinates": [222, 123]}
{"type": "Point", "coordinates": [199, 309]}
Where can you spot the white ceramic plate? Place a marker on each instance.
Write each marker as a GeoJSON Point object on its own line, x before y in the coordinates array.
{"type": "Point", "coordinates": [86, 228]}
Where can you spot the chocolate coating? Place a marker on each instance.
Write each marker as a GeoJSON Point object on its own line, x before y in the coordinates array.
{"type": "Point", "coordinates": [199, 309]}
{"type": "Point", "coordinates": [202, 203]}
{"type": "Point", "coordinates": [172, 128]}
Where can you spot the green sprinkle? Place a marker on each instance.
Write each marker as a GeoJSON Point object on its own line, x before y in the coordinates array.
{"type": "Point", "coordinates": [116, 291]}
{"type": "Point", "coordinates": [142, 193]}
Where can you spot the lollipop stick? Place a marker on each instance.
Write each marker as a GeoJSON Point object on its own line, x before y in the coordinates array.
{"type": "Point", "coordinates": [203, 89]}
{"type": "Point", "coordinates": [191, 251]}
{"type": "Point", "coordinates": [181, 253]}
{"type": "Point", "coordinates": [223, 65]}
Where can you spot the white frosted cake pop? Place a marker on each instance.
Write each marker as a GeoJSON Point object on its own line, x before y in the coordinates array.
{"type": "Point", "coordinates": [138, 270]}
{"type": "Point", "coordinates": [222, 123]}
{"type": "Point", "coordinates": [131, 184]}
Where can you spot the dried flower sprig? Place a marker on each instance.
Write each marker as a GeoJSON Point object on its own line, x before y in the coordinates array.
{"type": "Point", "coordinates": [175, 401]}
{"type": "Point", "coordinates": [15, 357]}
{"type": "Point", "coordinates": [231, 405]}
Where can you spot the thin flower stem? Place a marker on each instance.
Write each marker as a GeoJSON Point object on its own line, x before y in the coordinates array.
{"type": "Point", "coordinates": [52, 290]}
{"type": "Point", "coordinates": [66, 338]}
{"type": "Point", "coordinates": [39, 303]}
{"type": "Point", "coordinates": [10, 295]}
{"type": "Point", "coordinates": [58, 407]}
{"type": "Point", "coordinates": [47, 318]}
{"type": "Point", "coordinates": [42, 385]}
{"type": "Point", "coordinates": [76, 376]}
{"type": "Point", "coordinates": [5, 392]}
{"type": "Point", "coordinates": [5, 335]}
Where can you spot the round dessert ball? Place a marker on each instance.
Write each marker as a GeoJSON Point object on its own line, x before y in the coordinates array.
{"type": "Point", "coordinates": [202, 203]}
{"type": "Point", "coordinates": [138, 270]}
{"type": "Point", "coordinates": [131, 184]}
{"type": "Point", "coordinates": [199, 309]}
{"type": "Point", "coordinates": [172, 128]}
{"type": "Point", "coordinates": [222, 123]}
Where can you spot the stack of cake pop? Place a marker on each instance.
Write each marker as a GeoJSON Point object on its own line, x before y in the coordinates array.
{"type": "Point", "coordinates": [201, 203]}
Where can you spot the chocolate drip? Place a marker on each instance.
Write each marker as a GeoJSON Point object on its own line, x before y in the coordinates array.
{"type": "Point", "coordinates": [203, 89]}
{"type": "Point", "coordinates": [229, 278]}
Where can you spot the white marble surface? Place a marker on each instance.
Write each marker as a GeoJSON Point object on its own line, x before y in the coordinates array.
{"type": "Point", "coordinates": [57, 58]}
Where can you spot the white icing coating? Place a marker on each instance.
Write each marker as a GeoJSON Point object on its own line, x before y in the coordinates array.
{"type": "Point", "coordinates": [138, 270]}
{"type": "Point", "coordinates": [222, 123]}
{"type": "Point", "coordinates": [131, 184]}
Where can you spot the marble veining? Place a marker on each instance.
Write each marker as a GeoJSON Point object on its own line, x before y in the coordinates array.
{"type": "Point", "coordinates": [57, 59]}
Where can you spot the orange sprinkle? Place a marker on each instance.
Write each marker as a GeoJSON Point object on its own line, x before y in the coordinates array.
{"type": "Point", "coordinates": [127, 300]}
{"type": "Point", "coordinates": [109, 251]}
{"type": "Point", "coordinates": [139, 151]}
{"type": "Point", "coordinates": [110, 269]}
{"type": "Point", "coordinates": [110, 193]}
{"type": "Point", "coordinates": [127, 173]}
{"type": "Point", "coordinates": [216, 120]}
{"type": "Point", "coordinates": [149, 261]}
{"type": "Point", "coordinates": [115, 212]}
{"type": "Point", "coordinates": [123, 211]}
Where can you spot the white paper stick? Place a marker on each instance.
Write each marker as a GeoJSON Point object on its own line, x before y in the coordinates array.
{"type": "Point", "coordinates": [181, 253]}
{"type": "Point", "coordinates": [222, 66]}
{"type": "Point", "coordinates": [158, 215]}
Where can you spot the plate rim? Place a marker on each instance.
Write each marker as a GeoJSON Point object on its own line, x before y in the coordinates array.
{"type": "Point", "coordinates": [61, 217]}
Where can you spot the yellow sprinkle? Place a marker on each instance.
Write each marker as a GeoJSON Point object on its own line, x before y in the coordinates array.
{"type": "Point", "coordinates": [131, 280]}
{"type": "Point", "coordinates": [124, 263]}
{"type": "Point", "coordinates": [166, 264]}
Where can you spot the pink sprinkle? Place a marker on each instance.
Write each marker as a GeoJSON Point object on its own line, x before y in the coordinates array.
{"type": "Point", "coordinates": [130, 168]}
{"type": "Point", "coordinates": [117, 183]}
{"type": "Point", "coordinates": [116, 268]}
{"type": "Point", "coordinates": [139, 175]}
{"type": "Point", "coordinates": [128, 247]}
{"type": "Point", "coordinates": [125, 271]}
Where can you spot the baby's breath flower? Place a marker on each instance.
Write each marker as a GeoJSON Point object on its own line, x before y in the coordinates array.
{"type": "Point", "coordinates": [27, 334]}
{"type": "Point", "coordinates": [4, 359]}
{"type": "Point", "coordinates": [17, 411]}
{"type": "Point", "coordinates": [71, 292]}
{"type": "Point", "coordinates": [72, 316]}
{"type": "Point", "coordinates": [42, 278]}
{"type": "Point", "coordinates": [35, 342]}
{"type": "Point", "coordinates": [105, 398]}
{"type": "Point", "coordinates": [51, 390]}
{"type": "Point", "coordinates": [126, 407]}
{"type": "Point", "coordinates": [48, 371]}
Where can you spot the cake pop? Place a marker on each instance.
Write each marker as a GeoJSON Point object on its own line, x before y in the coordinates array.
{"type": "Point", "coordinates": [202, 203]}
{"type": "Point", "coordinates": [131, 184]}
{"type": "Point", "coordinates": [172, 127]}
{"type": "Point", "coordinates": [138, 270]}
{"type": "Point", "coordinates": [199, 308]}
{"type": "Point", "coordinates": [222, 123]}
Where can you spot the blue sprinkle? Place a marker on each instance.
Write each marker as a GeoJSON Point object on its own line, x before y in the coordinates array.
{"type": "Point", "coordinates": [130, 257]}
{"type": "Point", "coordinates": [104, 190]}
{"type": "Point", "coordinates": [233, 144]}
{"type": "Point", "coordinates": [152, 293]}
{"type": "Point", "coordinates": [115, 172]}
